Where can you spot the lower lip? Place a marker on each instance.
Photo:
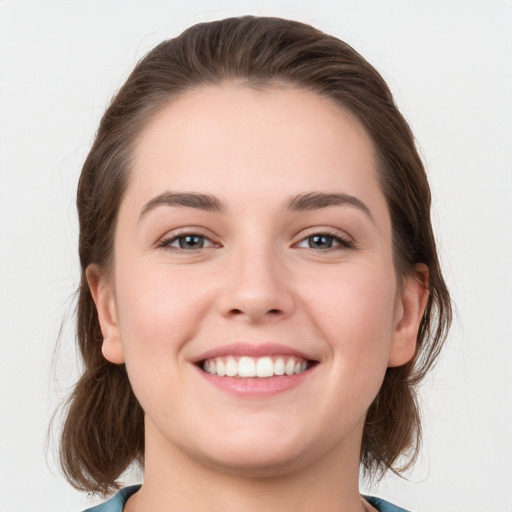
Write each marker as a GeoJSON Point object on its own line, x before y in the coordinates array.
{"type": "Point", "coordinates": [257, 387]}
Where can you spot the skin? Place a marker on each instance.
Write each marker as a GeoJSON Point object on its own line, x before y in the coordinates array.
{"type": "Point", "coordinates": [257, 279]}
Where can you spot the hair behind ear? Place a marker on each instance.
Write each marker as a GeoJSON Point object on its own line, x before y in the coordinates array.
{"type": "Point", "coordinates": [104, 428]}
{"type": "Point", "coordinates": [394, 410]}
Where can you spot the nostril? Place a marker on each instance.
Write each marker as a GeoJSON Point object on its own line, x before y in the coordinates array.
{"type": "Point", "coordinates": [271, 312]}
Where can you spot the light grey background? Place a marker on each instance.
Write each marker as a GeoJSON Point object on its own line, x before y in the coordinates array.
{"type": "Point", "coordinates": [449, 64]}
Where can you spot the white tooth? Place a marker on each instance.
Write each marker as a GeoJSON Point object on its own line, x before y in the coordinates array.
{"type": "Point", "coordinates": [221, 368]}
{"type": "Point", "coordinates": [206, 366]}
{"type": "Point", "coordinates": [279, 367]}
{"type": "Point", "coordinates": [290, 367]}
{"type": "Point", "coordinates": [213, 368]}
{"type": "Point", "coordinates": [303, 366]}
{"type": "Point", "coordinates": [246, 367]}
{"type": "Point", "coordinates": [264, 367]}
{"type": "Point", "coordinates": [231, 367]}
{"type": "Point", "coordinates": [296, 369]}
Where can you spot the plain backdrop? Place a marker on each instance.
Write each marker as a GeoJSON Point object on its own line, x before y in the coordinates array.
{"type": "Point", "coordinates": [449, 64]}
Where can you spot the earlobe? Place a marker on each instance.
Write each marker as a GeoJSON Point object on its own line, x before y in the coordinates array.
{"type": "Point", "coordinates": [409, 312]}
{"type": "Point", "coordinates": [104, 299]}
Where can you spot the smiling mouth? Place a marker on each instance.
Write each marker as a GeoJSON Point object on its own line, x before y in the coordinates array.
{"type": "Point", "coordinates": [260, 367]}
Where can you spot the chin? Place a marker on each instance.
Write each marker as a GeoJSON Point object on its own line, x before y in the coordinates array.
{"type": "Point", "coordinates": [260, 455]}
{"type": "Point", "coordinates": [256, 464]}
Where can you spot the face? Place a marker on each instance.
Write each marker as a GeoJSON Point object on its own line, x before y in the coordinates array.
{"type": "Point", "coordinates": [253, 297]}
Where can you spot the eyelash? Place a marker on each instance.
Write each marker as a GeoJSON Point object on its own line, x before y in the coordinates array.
{"type": "Point", "coordinates": [166, 242]}
{"type": "Point", "coordinates": [343, 242]}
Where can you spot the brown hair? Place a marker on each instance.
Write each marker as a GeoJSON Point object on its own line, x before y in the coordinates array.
{"type": "Point", "coordinates": [103, 433]}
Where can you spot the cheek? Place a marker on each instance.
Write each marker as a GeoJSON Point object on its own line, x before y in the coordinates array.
{"type": "Point", "coordinates": [158, 310]}
{"type": "Point", "coordinates": [158, 313]}
{"type": "Point", "coordinates": [354, 309]}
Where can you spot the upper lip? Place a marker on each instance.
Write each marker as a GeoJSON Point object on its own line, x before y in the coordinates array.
{"type": "Point", "coordinates": [252, 350]}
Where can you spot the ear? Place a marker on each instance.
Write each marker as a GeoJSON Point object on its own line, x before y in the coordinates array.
{"type": "Point", "coordinates": [104, 298]}
{"type": "Point", "coordinates": [410, 307]}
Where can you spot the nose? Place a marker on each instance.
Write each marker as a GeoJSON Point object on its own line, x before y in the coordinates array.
{"type": "Point", "coordinates": [257, 288]}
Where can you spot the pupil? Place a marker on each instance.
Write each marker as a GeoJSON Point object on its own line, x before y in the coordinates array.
{"type": "Point", "coordinates": [191, 242]}
{"type": "Point", "coordinates": [320, 241]}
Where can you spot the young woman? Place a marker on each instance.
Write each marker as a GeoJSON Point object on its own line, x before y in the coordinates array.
{"type": "Point", "coordinates": [260, 289]}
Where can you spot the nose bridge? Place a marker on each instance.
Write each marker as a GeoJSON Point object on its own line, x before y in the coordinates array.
{"type": "Point", "coordinates": [256, 287]}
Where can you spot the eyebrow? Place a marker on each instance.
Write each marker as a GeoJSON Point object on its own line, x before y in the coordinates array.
{"type": "Point", "coordinates": [318, 200]}
{"type": "Point", "coordinates": [301, 202]}
{"type": "Point", "coordinates": [183, 199]}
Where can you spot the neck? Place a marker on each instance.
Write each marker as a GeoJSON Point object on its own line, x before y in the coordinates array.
{"type": "Point", "coordinates": [175, 481]}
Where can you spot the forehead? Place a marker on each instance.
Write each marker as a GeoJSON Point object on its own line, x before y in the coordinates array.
{"type": "Point", "coordinates": [254, 144]}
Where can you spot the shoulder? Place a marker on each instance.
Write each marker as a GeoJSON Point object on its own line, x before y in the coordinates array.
{"type": "Point", "coordinates": [117, 502]}
{"type": "Point", "coordinates": [382, 505]}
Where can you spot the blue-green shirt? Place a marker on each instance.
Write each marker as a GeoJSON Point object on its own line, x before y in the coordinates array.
{"type": "Point", "coordinates": [117, 502]}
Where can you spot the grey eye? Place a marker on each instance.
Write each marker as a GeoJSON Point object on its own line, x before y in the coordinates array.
{"type": "Point", "coordinates": [191, 242]}
{"type": "Point", "coordinates": [188, 242]}
{"type": "Point", "coordinates": [324, 242]}
{"type": "Point", "coordinates": [321, 242]}
{"type": "Point", "coordinates": [318, 242]}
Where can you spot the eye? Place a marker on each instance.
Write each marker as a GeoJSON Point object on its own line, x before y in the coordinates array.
{"type": "Point", "coordinates": [325, 241]}
{"type": "Point", "coordinates": [187, 242]}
